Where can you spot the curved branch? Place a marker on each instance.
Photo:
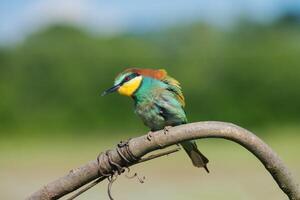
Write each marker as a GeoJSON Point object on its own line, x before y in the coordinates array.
{"type": "Point", "coordinates": [141, 145]}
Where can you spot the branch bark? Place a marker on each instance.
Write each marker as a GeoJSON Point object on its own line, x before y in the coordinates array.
{"type": "Point", "coordinates": [140, 146]}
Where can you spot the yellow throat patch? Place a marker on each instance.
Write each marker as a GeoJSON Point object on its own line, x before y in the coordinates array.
{"type": "Point", "coordinates": [131, 86]}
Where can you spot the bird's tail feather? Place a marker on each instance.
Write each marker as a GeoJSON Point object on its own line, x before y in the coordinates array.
{"type": "Point", "coordinates": [198, 159]}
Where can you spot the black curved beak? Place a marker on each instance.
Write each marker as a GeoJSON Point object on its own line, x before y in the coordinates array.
{"type": "Point", "coordinates": [111, 90]}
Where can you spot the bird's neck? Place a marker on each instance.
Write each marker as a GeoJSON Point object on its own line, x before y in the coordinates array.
{"type": "Point", "coordinates": [147, 89]}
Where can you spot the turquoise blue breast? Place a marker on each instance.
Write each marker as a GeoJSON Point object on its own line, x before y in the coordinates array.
{"type": "Point", "coordinates": [157, 106]}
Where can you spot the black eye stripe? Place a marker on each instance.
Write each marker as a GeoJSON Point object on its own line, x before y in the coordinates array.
{"type": "Point", "coordinates": [129, 77]}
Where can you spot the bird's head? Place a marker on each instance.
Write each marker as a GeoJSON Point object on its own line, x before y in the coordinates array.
{"type": "Point", "coordinates": [126, 83]}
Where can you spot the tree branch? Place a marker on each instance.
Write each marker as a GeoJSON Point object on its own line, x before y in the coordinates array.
{"type": "Point", "coordinates": [138, 147]}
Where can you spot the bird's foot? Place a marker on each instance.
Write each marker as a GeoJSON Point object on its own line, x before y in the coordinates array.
{"type": "Point", "coordinates": [167, 129]}
{"type": "Point", "coordinates": [149, 135]}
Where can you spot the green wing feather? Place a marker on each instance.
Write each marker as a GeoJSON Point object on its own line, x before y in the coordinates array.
{"type": "Point", "coordinates": [174, 86]}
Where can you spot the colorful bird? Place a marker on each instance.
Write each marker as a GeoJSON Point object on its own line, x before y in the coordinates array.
{"type": "Point", "coordinates": [159, 102]}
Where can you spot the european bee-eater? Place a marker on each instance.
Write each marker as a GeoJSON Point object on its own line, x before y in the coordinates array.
{"type": "Point", "coordinates": [159, 102]}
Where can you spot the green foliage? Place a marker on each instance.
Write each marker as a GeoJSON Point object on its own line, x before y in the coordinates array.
{"type": "Point", "coordinates": [248, 76]}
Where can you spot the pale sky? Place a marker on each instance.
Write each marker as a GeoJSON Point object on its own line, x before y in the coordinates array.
{"type": "Point", "coordinates": [18, 18]}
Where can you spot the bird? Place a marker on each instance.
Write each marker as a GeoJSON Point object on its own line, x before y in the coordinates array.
{"type": "Point", "coordinates": [158, 101]}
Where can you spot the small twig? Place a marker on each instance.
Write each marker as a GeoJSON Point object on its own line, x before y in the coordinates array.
{"type": "Point", "coordinates": [159, 155]}
{"type": "Point", "coordinates": [135, 175]}
{"type": "Point", "coordinates": [111, 180]}
{"type": "Point", "coordinates": [86, 188]}
{"type": "Point", "coordinates": [141, 180]}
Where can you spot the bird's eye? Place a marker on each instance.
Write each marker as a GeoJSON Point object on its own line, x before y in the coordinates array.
{"type": "Point", "coordinates": [129, 77]}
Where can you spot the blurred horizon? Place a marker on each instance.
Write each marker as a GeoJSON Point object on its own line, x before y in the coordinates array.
{"type": "Point", "coordinates": [40, 76]}
{"type": "Point", "coordinates": [20, 19]}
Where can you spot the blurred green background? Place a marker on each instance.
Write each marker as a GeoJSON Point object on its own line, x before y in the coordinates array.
{"type": "Point", "coordinates": [52, 118]}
